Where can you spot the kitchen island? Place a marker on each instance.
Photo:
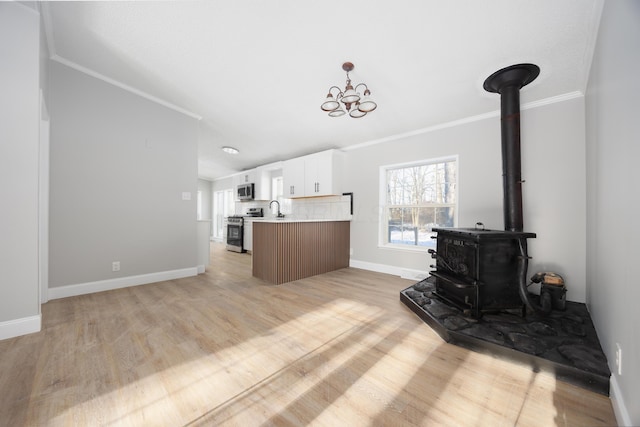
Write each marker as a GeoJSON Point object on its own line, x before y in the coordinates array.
{"type": "Point", "coordinates": [285, 250]}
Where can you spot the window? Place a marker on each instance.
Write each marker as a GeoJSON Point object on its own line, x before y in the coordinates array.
{"type": "Point", "coordinates": [415, 197]}
{"type": "Point", "coordinates": [223, 206]}
{"type": "Point", "coordinates": [276, 188]}
{"type": "Point", "coordinates": [277, 193]}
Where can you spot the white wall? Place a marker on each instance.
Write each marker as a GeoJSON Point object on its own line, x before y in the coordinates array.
{"type": "Point", "coordinates": [222, 184]}
{"type": "Point", "coordinates": [19, 124]}
{"type": "Point", "coordinates": [44, 62]}
{"type": "Point", "coordinates": [553, 165]}
{"type": "Point", "coordinates": [205, 187]}
{"type": "Point", "coordinates": [613, 135]}
{"type": "Point", "coordinates": [119, 166]}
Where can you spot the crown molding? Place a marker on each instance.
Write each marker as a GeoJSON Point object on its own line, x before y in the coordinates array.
{"type": "Point", "coordinates": [552, 100]}
{"type": "Point", "coordinates": [47, 22]}
{"type": "Point", "coordinates": [454, 123]}
{"type": "Point", "coordinates": [592, 41]}
{"type": "Point", "coordinates": [123, 86]}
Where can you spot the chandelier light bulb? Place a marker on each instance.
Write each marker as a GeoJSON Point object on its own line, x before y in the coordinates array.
{"type": "Point", "coordinates": [350, 96]}
{"type": "Point", "coordinates": [330, 104]}
{"type": "Point", "coordinates": [366, 104]}
{"type": "Point", "coordinates": [337, 112]}
{"type": "Point", "coordinates": [357, 112]}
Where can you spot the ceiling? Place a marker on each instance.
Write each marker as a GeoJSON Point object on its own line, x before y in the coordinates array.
{"type": "Point", "coordinates": [255, 72]}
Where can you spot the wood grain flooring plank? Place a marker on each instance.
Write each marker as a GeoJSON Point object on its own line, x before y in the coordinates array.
{"type": "Point", "coordinates": [227, 349]}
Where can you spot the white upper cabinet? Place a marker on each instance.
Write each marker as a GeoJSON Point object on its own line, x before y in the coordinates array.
{"type": "Point", "coordinates": [313, 175]}
{"type": "Point", "coordinates": [320, 174]}
{"type": "Point", "coordinates": [293, 178]}
{"type": "Point", "coordinates": [246, 177]}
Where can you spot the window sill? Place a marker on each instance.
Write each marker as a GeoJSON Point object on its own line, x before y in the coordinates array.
{"type": "Point", "coordinates": [407, 248]}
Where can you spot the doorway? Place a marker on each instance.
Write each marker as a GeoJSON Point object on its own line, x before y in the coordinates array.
{"type": "Point", "coordinates": [223, 206]}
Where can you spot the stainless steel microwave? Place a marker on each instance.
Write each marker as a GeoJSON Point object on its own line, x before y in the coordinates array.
{"type": "Point", "coordinates": [245, 191]}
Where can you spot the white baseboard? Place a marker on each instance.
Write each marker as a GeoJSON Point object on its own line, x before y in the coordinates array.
{"type": "Point", "coordinates": [201, 268]}
{"type": "Point", "coordinates": [23, 326]}
{"type": "Point", "coordinates": [121, 282]}
{"type": "Point", "coordinates": [405, 273]}
{"type": "Point", "coordinates": [619, 407]}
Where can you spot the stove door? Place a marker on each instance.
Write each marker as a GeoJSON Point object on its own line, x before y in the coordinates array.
{"type": "Point", "coordinates": [460, 294]}
{"type": "Point", "coordinates": [235, 237]}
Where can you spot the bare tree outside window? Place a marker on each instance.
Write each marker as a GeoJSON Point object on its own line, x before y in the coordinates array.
{"type": "Point", "coordinates": [418, 198]}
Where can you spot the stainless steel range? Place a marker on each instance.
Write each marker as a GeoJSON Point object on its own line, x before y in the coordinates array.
{"type": "Point", "coordinates": [235, 229]}
{"type": "Point", "coordinates": [235, 233]}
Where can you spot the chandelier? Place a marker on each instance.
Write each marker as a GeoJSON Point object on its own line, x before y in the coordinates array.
{"type": "Point", "coordinates": [354, 104]}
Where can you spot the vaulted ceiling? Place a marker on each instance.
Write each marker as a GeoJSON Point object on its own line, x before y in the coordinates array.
{"type": "Point", "coordinates": [255, 72]}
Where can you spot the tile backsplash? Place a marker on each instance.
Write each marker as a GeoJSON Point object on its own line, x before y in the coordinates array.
{"type": "Point", "coordinates": [329, 207]}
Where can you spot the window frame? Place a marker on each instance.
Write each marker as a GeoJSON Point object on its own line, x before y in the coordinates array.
{"type": "Point", "coordinates": [383, 221]}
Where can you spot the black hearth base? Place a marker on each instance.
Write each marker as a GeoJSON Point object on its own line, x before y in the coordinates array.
{"type": "Point", "coordinates": [563, 342]}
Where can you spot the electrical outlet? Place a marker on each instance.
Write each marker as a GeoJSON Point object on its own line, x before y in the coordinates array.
{"type": "Point", "coordinates": [619, 358]}
{"type": "Point", "coordinates": [115, 266]}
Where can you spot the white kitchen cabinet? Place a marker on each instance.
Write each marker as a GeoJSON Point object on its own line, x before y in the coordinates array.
{"type": "Point", "coordinates": [293, 178]}
{"type": "Point", "coordinates": [248, 235]}
{"type": "Point", "coordinates": [317, 174]}
{"type": "Point", "coordinates": [246, 177]}
{"type": "Point", "coordinates": [321, 173]}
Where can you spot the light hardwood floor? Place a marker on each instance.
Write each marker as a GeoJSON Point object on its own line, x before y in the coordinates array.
{"type": "Point", "coordinates": [224, 348]}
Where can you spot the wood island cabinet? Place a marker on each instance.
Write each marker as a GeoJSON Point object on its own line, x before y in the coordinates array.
{"type": "Point", "coordinates": [284, 251]}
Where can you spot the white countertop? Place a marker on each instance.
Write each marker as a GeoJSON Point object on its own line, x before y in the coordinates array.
{"type": "Point", "coordinates": [292, 219]}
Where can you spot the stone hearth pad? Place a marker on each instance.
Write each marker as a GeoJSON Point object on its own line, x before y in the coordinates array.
{"type": "Point", "coordinates": [563, 342]}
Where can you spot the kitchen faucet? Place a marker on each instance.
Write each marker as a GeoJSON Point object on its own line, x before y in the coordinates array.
{"type": "Point", "coordinates": [280, 215]}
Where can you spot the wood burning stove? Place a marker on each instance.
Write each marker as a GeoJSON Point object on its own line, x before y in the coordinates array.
{"type": "Point", "coordinates": [477, 269]}
{"type": "Point", "coordinates": [481, 270]}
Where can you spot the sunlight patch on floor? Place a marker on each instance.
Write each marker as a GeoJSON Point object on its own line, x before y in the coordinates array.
{"type": "Point", "coordinates": [293, 355]}
{"type": "Point", "coordinates": [389, 371]}
{"type": "Point", "coordinates": [493, 400]}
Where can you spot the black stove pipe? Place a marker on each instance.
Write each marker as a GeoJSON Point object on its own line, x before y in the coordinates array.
{"type": "Point", "coordinates": [508, 82]}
